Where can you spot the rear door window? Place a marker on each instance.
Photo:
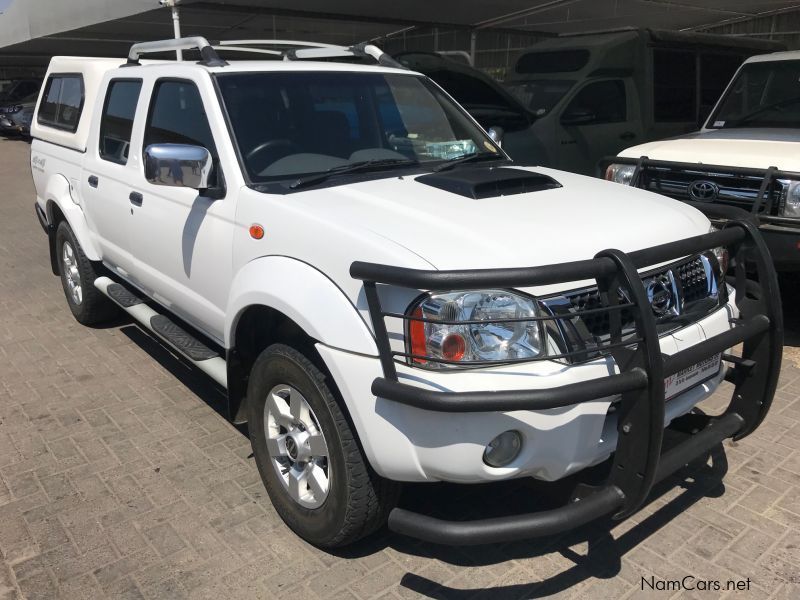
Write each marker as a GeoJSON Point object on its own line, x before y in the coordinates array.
{"type": "Point", "coordinates": [116, 123]}
{"type": "Point", "coordinates": [62, 102]}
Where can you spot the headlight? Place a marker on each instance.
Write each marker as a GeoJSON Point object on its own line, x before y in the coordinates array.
{"type": "Point", "coordinates": [791, 207]}
{"type": "Point", "coordinates": [461, 328]}
{"type": "Point", "coordinates": [15, 109]}
{"type": "Point", "coordinates": [620, 173]}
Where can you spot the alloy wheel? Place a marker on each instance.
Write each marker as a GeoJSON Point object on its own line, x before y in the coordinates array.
{"type": "Point", "coordinates": [297, 446]}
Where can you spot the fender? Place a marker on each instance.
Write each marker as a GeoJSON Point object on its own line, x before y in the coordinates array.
{"type": "Point", "coordinates": [310, 299]}
{"type": "Point", "coordinates": [57, 193]}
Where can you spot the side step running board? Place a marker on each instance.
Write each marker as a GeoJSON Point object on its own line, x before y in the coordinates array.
{"type": "Point", "coordinates": [196, 352]}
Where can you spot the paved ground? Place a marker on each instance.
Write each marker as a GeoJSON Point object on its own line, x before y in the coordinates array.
{"type": "Point", "coordinates": [118, 478]}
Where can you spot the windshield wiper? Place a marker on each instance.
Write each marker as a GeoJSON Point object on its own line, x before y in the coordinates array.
{"type": "Point", "coordinates": [763, 109]}
{"type": "Point", "coordinates": [361, 165]}
{"type": "Point", "coordinates": [474, 157]}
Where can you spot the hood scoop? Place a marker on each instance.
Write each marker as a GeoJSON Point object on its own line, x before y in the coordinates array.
{"type": "Point", "coordinates": [489, 182]}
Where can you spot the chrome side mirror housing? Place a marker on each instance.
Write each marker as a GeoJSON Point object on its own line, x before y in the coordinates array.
{"type": "Point", "coordinates": [178, 165]}
{"type": "Point", "coordinates": [496, 134]}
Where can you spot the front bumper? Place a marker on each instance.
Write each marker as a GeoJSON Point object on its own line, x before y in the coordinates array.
{"type": "Point", "coordinates": [638, 460]}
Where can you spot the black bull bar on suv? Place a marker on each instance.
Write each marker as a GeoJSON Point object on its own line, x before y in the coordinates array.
{"type": "Point", "coordinates": [638, 462]}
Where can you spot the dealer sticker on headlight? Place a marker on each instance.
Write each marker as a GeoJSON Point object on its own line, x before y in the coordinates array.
{"type": "Point", "coordinates": [691, 376]}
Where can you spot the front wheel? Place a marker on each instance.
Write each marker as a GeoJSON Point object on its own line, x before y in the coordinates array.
{"type": "Point", "coordinates": [309, 460]}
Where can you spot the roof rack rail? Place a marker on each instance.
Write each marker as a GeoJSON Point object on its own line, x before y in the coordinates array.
{"type": "Point", "coordinates": [209, 56]}
{"type": "Point", "coordinates": [266, 42]}
{"type": "Point", "coordinates": [299, 50]}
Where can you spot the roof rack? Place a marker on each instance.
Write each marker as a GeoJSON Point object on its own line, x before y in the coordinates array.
{"type": "Point", "coordinates": [299, 50]}
{"type": "Point", "coordinates": [209, 56]}
{"type": "Point", "coordinates": [286, 49]}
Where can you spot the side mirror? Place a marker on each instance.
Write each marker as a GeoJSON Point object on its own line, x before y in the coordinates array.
{"type": "Point", "coordinates": [496, 134]}
{"type": "Point", "coordinates": [178, 165]}
{"type": "Point", "coordinates": [578, 117]}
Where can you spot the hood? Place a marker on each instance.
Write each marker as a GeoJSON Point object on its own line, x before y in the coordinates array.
{"type": "Point", "coordinates": [757, 148]}
{"type": "Point", "coordinates": [558, 224]}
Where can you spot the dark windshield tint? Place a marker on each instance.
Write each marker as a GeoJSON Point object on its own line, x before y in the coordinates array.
{"type": "Point", "coordinates": [764, 94]}
{"type": "Point", "coordinates": [540, 95]}
{"type": "Point", "coordinates": [300, 123]}
{"type": "Point", "coordinates": [177, 116]}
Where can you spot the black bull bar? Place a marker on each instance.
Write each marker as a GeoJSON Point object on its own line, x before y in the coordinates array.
{"type": "Point", "coordinates": [639, 460]}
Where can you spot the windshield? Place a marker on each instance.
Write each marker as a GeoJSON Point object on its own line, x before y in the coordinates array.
{"type": "Point", "coordinates": [763, 94]}
{"type": "Point", "coordinates": [540, 95]}
{"type": "Point", "coordinates": [302, 123]}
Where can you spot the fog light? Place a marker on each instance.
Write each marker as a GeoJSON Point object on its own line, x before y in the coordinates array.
{"type": "Point", "coordinates": [503, 449]}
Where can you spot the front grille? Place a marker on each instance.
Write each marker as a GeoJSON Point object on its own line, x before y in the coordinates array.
{"type": "Point", "coordinates": [598, 324]}
{"type": "Point", "coordinates": [739, 190]}
{"type": "Point", "coordinates": [692, 286]}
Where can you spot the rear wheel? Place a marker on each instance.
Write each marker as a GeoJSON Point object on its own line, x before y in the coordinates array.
{"type": "Point", "coordinates": [309, 460]}
{"type": "Point", "coordinates": [88, 305]}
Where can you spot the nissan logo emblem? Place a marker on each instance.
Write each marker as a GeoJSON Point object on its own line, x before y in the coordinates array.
{"type": "Point", "coordinates": [703, 191]}
{"type": "Point", "coordinates": [659, 293]}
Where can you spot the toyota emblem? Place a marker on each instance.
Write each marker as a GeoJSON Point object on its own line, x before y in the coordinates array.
{"type": "Point", "coordinates": [703, 191]}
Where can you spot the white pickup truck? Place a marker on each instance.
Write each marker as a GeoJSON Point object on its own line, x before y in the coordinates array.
{"type": "Point", "coordinates": [384, 295]}
{"type": "Point", "coordinates": [746, 158]}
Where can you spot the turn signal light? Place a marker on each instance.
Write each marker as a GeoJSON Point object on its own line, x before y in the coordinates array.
{"type": "Point", "coordinates": [416, 333]}
{"type": "Point", "coordinates": [256, 231]}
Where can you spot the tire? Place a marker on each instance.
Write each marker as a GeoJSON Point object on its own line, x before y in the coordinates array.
{"type": "Point", "coordinates": [88, 305]}
{"type": "Point", "coordinates": [357, 500]}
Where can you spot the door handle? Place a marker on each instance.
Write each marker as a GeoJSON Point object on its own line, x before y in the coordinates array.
{"type": "Point", "coordinates": [93, 180]}
{"type": "Point", "coordinates": [628, 135]}
{"type": "Point", "coordinates": [136, 198]}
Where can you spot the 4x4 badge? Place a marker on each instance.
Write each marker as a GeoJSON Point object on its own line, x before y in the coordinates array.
{"type": "Point", "coordinates": [704, 191]}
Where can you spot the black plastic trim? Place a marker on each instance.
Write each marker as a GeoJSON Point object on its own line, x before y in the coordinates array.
{"type": "Point", "coordinates": [180, 339]}
{"type": "Point", "coordinates": [540, 399]}
{"type": "Point", "coordinates": [489, 181]}
{"type": "Point", "coordinates": [506, 529]}
{"type": "Point", "coordinates": [46, 227]}
{"type": "Point", "coordinates": [123, 296]}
